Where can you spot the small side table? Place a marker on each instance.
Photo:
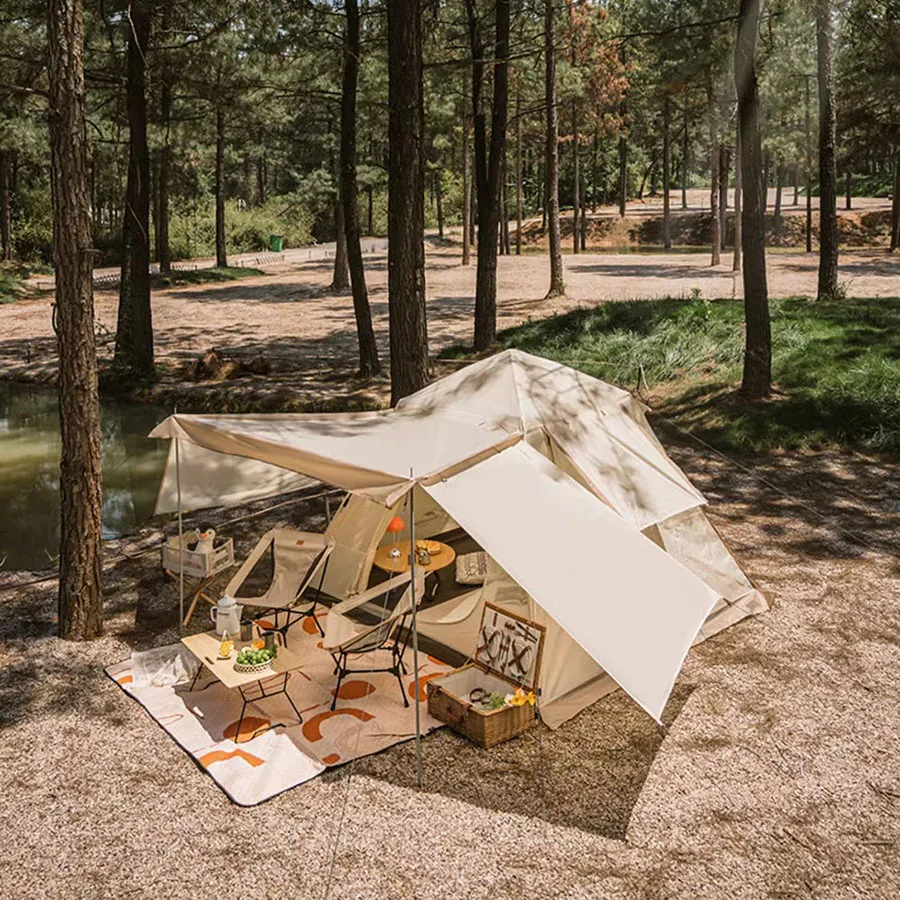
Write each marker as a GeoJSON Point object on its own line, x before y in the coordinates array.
{"type": "Point", "coordinates": [251, 686]}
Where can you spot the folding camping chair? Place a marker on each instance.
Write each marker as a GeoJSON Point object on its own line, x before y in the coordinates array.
{"type": "Point", "coordinates": [298, 556]}
{"type": "Point", "coordinates": [345, 637]}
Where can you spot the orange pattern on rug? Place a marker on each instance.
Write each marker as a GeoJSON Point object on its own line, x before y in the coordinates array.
{"type": "Point", "coordinates": [312, 730]}
{"type": "Point", "coordinates": [354, 690]}
{"type": "Point", "coordinates": [273, 751]}
{"type": "Point", "coordinates": [221, 756]}
{"type": "Point", "coordinates": [250, 727]}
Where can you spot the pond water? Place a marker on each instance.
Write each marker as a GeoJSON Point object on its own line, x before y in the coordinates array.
{"type": "Point", "coordinates": [29, 472]}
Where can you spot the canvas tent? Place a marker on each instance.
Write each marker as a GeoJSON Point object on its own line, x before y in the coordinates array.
{"type": "Point", "coordinates": [588, 525]}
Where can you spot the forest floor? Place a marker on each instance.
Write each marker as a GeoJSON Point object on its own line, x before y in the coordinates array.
{"type": "Point", "coordinates": [305, 332]}
{"type": "Point", "coordinates": [778, 774]}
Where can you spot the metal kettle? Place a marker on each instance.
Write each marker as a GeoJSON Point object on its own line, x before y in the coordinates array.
{"type": "Point", "coordinates": [226, 616]}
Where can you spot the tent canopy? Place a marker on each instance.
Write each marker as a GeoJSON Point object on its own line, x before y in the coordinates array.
{"type": "Point", "coordinates": [554, 473]}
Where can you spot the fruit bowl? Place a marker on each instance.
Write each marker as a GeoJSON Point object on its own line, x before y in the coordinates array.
{"type": "Point", "coordinates": [251, 660]}
{"type": "Point", "coordinates": [253, 668]}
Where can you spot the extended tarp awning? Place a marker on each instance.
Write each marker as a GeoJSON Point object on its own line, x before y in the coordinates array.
{"type": "Point", "coordinates": [629, 604]}
{"type": "Point", "coordinates": [373, 454]}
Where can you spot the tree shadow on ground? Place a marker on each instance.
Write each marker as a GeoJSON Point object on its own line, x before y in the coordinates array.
{"type": "Point", "coordinates": [587, 774]}
{"type": "Point", "coordinates": [42, 676]}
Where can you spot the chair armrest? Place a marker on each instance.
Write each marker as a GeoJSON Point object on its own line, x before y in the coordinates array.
{"type": "Point", "coordinates": [372, 593]}
{"type": "Point", "coordinates": [341, 630]}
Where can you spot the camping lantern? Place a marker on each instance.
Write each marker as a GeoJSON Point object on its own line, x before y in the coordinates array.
{"type": "Point", "coordinates": [395, 526]}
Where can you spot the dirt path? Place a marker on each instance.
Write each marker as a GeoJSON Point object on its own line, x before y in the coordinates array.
{"type": "Point", "coordinates": [307, 332]}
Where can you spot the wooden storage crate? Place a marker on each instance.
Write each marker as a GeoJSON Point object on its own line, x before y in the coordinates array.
{"type": "Point", "coordinates": [508, 656]}
{"type": "Point", "coordinates": [196, 563]}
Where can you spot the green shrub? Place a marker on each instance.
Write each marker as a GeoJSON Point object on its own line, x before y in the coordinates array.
{"type": "Point", "coordinates": [192, 227]}
{"type": "Point", "coordinates": [33, 226]}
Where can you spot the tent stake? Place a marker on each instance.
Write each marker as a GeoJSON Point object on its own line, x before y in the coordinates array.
{"type": "Point", "coordinates": [415, 628]}
{"type": "Point", "coordinates": [180, 540]}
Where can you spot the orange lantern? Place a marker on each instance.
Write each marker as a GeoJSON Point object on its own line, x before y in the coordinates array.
{"type": "Point", "coordinates": [396, 525]}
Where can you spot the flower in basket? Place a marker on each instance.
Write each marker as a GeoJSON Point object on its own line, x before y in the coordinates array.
{"type": "Point", "coordinates": [520, 698]}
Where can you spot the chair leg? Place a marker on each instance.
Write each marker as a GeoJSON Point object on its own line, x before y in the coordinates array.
{"type": "Point", "coordinates": [337, 687]}
{"type": "Point", "coordinates": [315, 619]}
{"type": "Point", "coordinates": [400, 682]}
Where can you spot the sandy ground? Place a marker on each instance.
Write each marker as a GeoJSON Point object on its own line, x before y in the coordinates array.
{"type": "Point", "coordinates": [307, 332]}
{"type": "Point", "coordinates": [778, 774]}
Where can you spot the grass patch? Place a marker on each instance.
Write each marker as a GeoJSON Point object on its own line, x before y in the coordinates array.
{"type": "Point", "coordinates": [180, 277]}
{"type": "Point", "coordinates": [13, 276]}
{"type": "Point", "coordinates": [9, 287]}
{"type": "Point", "coordinates": [836, 367]}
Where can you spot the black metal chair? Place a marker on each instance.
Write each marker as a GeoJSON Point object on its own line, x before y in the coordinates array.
{"type": "Point", "coordinates": [390, 635]}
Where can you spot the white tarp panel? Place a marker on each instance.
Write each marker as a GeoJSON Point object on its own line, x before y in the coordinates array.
{"type": "Point", "coordinates": [218, 479]}
{"type": "Point", "coordinates": [625, 468]}
{"type": "Point", "coordinates": [375, 454]}
{"type": "Point", "coordinates": [633, 608]}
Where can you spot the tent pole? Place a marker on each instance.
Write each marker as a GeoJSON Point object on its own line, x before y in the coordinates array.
{"type": "Point", "coordinates": [180, 541]}
{"type": "Point", "coordinates": [415, 629]}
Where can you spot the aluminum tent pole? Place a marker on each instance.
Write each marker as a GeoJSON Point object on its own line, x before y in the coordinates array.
{"type": "Point", "coordinates": [415, 628]}
{"type": "Point", "coordinates": [180, 538]}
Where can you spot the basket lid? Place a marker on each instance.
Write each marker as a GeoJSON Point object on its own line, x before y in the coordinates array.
{"type": "Point", "coordinates": [510, 646]}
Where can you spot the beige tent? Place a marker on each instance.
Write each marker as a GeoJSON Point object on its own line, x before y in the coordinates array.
{"type": "Point", "coordinates": [589, 527]}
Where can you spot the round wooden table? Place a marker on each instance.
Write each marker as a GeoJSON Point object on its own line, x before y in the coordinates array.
{"type": "Point", "coordinates": [400, 564]}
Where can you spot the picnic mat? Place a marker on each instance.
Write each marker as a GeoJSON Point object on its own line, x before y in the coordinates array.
{"type": "Point", "coordinates": [273, 752]}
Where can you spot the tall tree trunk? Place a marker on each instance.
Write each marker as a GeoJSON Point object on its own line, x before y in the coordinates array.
{"type": "Point", "coordinates": [134, 330]}
{"type": "Point", "coordinates": [543, 196]}
{"type": "Point", "coordinates": [80, 552]}
{"type": "Point", "coordinates": [685, 146]}
{"type": "Point", "coordinates": [848, 188]}
{"type": "Point", "coordinates": [340, 273]}
{"type": "Point", "coordinates": [406, 201]}
{"type": "Point", "coordinates": [895, 205]}
{"type": "Point", "coordinates": [723, 196]}
{"type": "Point", "coordinates": [370, 225]}
{"type": "Point", "coordinates": [261, 180]}
{"type": "Point", "coordinates": [583, 219]}
{"type": "Point", "coordinates": [807, 114]}
{"type": "Point", "coordinates": [5, 207]}
{"type": "Point", "coordinates": [438, 192]}
{"type": "Point", "coordinates": [757, 378]}
{"type": "Point", "coordinates": [667, 174]}
{"type": "Point", "coordinates": [738, 198]}
{"type": "Point", "coordinates": [519, 174]}
{"type": "Point", "coordinates": [594, 153]}
{"type": "Point", "coordinates": [551, 165]}
{"type": "Point", "coordinates": [504, 209]}
{"type": "Point", "coordinates": [779, 188]}
{"type": "Point", "coordinates": [473, 211]}
{"type": "Point", "coordinates": [368, 349]}
{"type": "Point", "coordinates": [623, 174]}
{"type": "Point", "coordinates": [466, 177]}
{"type": "Point", "coordinates": [221, 252]}
{"type": "Point", "coordinates": [488, 166]}
{"type": "Point", "coordinates": [576, 176]}
{"type": "Point", "coordinates": [623, 147]}
{"type": "Point", "coordinates": [828, 227]}
{"type": "Point", "coordinates": [795, 173]}
{"type": "Point", "coordinates": [163, 251]}
{"type": "Point", "coordinates": [715, 222]}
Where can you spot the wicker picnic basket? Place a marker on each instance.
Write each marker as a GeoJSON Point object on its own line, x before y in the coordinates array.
{"type": "Point", "coordinates": [508, 656]}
